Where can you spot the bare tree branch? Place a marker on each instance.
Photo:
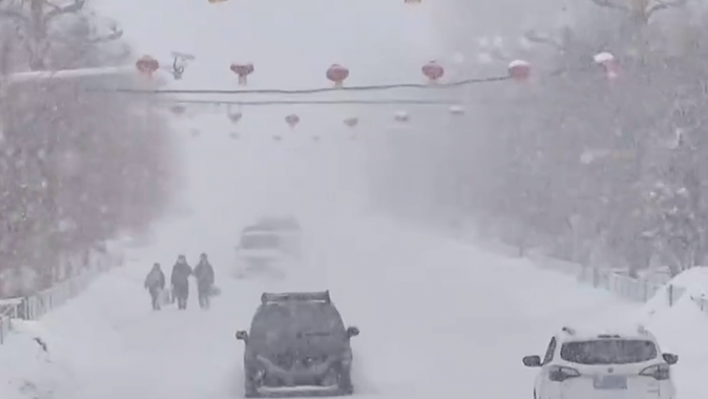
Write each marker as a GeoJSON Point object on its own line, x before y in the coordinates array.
{"type": "Point", "coordinates": [13, 14]}
{"type": "Point", "coordinates": [610, 4]}
{"type": "Point", "coordinates": [76, 6]}
{"type": "Point", "coordinates": [662, 5]}
{"type": "Point", "coordinates": [114, 35]}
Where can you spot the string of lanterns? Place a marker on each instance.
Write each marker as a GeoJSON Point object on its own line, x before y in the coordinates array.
{"type": "Point", "coordinates": [292, 120]}
{"type": "Point", "coordinates": [404, 1]}
{"type": "Point", "coordinates": [517, 70]}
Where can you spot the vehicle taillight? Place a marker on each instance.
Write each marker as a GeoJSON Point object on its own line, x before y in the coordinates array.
{"type": "Point", "coordinates": [559, 373]}
{"type": "Point", "coordinates": [659, 372]}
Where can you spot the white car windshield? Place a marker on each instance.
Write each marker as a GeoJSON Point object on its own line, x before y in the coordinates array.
{"type": "Point", "coordinates": [608, 351]}
{"type": "Point", "coordinates": [259, 241]}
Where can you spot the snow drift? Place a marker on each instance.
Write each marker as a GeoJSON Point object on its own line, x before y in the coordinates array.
{"type": "Point", "coordinates": [683, 329]}
{"type": "Point", "coordinates": [31, 364]}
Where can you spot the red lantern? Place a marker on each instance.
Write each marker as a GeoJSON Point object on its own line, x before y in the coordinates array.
{"type": "Point", "coordinates": [292, 120]}
{"type": "Point", "coordinates": [457, 110]}
{"type": "Point", "coordinates": [178, 109]}
{"type": "Point", "coordinates": [401, 116]}
{"type": "Point", "coordinates": [337, 74]}
{"type": "Point", "coordinates": [147, 65]}
{"type": "Point", "coordinates": [351, 122]}
{"type": "Point", "coordinates": [609, 63]}
{"type": "Point", "coordinates": [242, 70]}
{"type": "Point", "coordinates": [235, 117]}
{"type": "Point", "coordinates": [519, 70]}
{"type": "Point", "coordinates": [433, 71]}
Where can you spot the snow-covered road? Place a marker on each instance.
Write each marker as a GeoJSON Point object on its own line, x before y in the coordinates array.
{"type": "Point", "coordinates": [437, 319]}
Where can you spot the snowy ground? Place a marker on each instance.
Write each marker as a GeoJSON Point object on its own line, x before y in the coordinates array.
{"type": "Point", "coordinates": [437, 318]}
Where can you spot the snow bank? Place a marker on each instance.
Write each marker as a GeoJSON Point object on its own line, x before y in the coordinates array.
{"type": "Point", "coordinates": [683, 329]}
{"type": "Point", "coordinates": [69, 334]}
{"type": "Point", "coordinates": [691, 283]}
{"type": "Point", "coordinates": [26, 369]}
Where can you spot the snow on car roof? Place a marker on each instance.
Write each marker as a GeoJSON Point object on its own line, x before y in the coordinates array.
{"type": "Point", "coordinates": [570, 333]}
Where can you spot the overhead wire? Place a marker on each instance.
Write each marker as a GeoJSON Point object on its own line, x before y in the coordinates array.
{"type": "Point", "coordinates": [314, 102]}
{"type": "Point", "coordinates": [382, 87]}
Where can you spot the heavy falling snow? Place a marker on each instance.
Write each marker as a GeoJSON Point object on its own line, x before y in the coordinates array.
{"type": "Point", "coordinates": [444, 312]}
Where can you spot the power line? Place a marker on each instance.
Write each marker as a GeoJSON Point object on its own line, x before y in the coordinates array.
{"type": "Point", "coordinates": [316, 102]}
{"type": "Point", "coordinates": [448, 85]}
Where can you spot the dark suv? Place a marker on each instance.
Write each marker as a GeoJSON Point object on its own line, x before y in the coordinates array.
{"type": "Point", "coordinates": [297, 346]}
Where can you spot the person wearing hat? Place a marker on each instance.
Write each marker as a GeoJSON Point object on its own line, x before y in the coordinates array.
{"type": "Point", "coordinates": [205, 280]}
{"type": "Point", "coordinates": [155, 283]}
{"type": "Point", "coordinates": [180, 281]}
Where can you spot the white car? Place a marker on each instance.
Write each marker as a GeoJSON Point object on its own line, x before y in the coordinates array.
{"type": "Point", "coordinates": [265, 247]}
{"type": "Point", "coordinates": [603, 365]}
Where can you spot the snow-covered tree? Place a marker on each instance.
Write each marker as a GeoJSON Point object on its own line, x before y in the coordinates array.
{"type": "Point", "coordinates": [76, 166]}
{"type": "Point", "coordinates": [50, 36]}
{"type": "Point", "coordinates": [574, 159]}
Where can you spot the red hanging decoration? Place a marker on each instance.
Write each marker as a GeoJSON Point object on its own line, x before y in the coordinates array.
{"type": "Point", "coordinates": [519, 70]}
{"type": "Point", "coordinates": [147, 65]}
{"type": "Point", "coordinates": [401, 116]}
{"type": "Point", "coordinates": [292, 120]}
{"type": "Point", "coordinates": [351, 122]}
{"type": "Point", "coordinates": [337, 74]}
{"type": "Point", "coordinates": [235, 116]}
{"type": "Point", "coordinates": [457, 110]}
{"type": "Point", "coordinates": [242, 70]}
{"type": "Point", "coordinates": [433, 71]}
{"type": "Point", "coordinates": [178, 109]}
{"type": "Point", "coordinates": [609, 63]}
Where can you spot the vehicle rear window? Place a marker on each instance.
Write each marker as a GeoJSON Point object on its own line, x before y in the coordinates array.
{"type": "Point", "coordinates": [306, 318]}
{"type": "Point", "coordinates": [608, 351]}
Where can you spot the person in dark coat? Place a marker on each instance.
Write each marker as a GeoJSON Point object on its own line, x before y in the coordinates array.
{"type": "Point", "coordinates": [205, 280]}
{"type": "Point", "coordinates": [155, 283]}
{"type": "Point", "coordinates": [180, 281]}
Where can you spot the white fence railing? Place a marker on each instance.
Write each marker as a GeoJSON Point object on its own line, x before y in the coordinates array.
{"type": "Point", "coordinates": [627, 287]}
{"type": "Point", "coordinates": [35, 306]}
{"type": "Point", "coordinates": [634, 289]}
{"type": "Point", "coordinates": [8, 311]}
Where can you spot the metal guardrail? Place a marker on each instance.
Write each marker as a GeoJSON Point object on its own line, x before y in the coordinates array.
{"type": "Point", "coordinates": [7, 313]}
{"type": "Point", "coordinates": [35, 306]}
{"type": "Point", "coordinates": [702, 302]}
{"type": "Point", "coordinates": [633, 289]}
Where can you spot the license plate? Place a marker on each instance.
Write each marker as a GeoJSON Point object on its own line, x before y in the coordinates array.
{"type": "Point", "coordinates": [610, 382]}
